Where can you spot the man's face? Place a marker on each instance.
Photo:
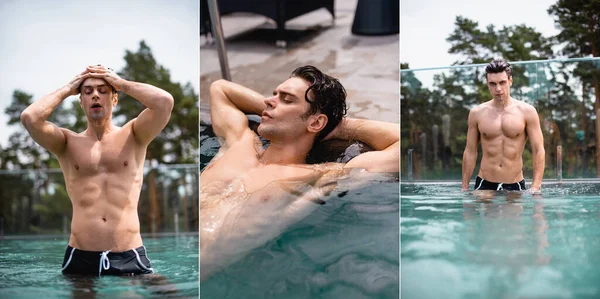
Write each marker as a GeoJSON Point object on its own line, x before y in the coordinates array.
{"type": "Point", "coordinates": [97, 98]}
{"type": "Point", "coordinates": [283, 118]}
{"type": "Point", "coordinates": [499, 85]}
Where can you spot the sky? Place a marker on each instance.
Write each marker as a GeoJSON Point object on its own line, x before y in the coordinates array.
{"type": "Point", "coordinates": [45, 44]}
{"type": "Point", "coordinates": [425, 25]}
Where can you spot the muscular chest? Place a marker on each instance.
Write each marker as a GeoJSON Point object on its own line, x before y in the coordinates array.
{"type": "Point", "coordinates": [112, 154]}
{"type": "Point", "coordinates": [252, 176]}
{"type": "Point", "coordinates": [509, 124]}
{"type": "Point", "coordinates": [290, 178]}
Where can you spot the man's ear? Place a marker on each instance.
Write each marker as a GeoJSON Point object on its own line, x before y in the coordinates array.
{"type": "Point", "coordinates": [316, 123]}
{"type": "Point", "coordinates": [115, 98]}
{"type": "Point", "coordinates": [80, 102]}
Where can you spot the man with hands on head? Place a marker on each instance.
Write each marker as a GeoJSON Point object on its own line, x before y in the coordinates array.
{"type": "Point", "coordinates": [502, 125]}
{"type": "Point", "coordinates": [103, 168]}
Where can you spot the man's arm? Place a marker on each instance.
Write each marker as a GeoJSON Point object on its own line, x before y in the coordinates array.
{"type": "Point", "coordinates": [470, 153]}
{"type": "Point", "coordinates": [158, 103]}
{"type": "Point", "coordinates": [536, 139]}
{"type": "Point", "coordinates": [229, 102]}
{"type": "Point", "coordinates": [34, 118]}
{"type": "Point", "coordinates": [382, 136]}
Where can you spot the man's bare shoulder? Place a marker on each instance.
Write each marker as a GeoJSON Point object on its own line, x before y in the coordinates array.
{"type": "Point", "coordinates": [525, 107]}
{"type": "Point", "coordinates": [529, 112]}
{"type": "Point", "coordinates": [69, 133]}
{"type": "Point", "coordinates": [127, 128]}
{"type": "Point", "coordinates": [70, 137]}
{"type": "Point", "coordinates": [476, 111]}
{"type": "Point", "coordinates": [481, 107]}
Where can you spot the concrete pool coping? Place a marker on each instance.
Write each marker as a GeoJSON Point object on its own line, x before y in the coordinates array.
{"type": "Point", "coordinates": [367, 66]}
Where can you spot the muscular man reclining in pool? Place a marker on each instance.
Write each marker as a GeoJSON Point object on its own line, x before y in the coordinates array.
{"type": "Point", "coordinates": [103, 169]}
{"type": "Point", "coordinates": [249, 195]}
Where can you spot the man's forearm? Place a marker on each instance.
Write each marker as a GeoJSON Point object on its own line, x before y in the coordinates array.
{"type": "Point", "coordinates": [539, 163]}
{"type": "Point", "coordinates": [245, 99]}
{"type": "Point", "coordinates": [377, 134]}
{"type": "Point", "coordinates": [468, 165]}
{"type": "Point", "coordinates": [41, 109]}
{"type": "Point", "coordinates": [150, 96]}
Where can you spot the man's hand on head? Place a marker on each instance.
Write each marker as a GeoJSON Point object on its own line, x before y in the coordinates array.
{"type": "Point", "coordinates": [76, 82]}
{"type": "Point", "coordinates": [101, 72]}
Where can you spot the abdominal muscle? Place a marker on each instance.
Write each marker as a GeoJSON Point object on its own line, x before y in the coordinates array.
{"type": "Point", "coordinates": [104, 213]}
{"type": "Point", "coordinates": [502, 160]}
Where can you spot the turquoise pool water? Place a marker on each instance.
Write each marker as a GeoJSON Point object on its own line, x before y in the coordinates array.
{"type": "Point", "coordinates": [31, 269]}
{"type": "Point", "coordinates": [465, 245]}
{"type": "Point", "coordinates": [348, 248]}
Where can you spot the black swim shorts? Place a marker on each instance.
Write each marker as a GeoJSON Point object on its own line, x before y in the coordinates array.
{"type": "Point", "coordinates": [130, 262]}
{"type": "Point", "coordinates": [481, 184]}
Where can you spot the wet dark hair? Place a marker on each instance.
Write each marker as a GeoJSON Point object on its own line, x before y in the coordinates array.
{"type": "Point", "coordinates": [498, 66]}
{"type": "Point", "coordinates": [329, 97]}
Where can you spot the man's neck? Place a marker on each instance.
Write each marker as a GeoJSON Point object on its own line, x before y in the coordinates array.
{"type": "Point", "coordinates": [286, 153]}
{"type": "Point", "coordinates": [502, 104]}
{"type": "Point", "coordinates": [98, 128]}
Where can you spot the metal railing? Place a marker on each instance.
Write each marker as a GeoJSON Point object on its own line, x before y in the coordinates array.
{"type": "Point", "coordinates": [35, 201]}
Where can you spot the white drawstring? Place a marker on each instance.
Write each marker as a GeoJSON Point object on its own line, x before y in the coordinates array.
{"type": "Point", "coordinates": [104, 262]}
{"type": "Point", "coordinates": [69, 260]}
{"type": "Point", "coordinates": [499, 187]}
{"type": "Point", "coordinates": [137, 255]}
{"type": "Point", "coordinates": [480, 183]}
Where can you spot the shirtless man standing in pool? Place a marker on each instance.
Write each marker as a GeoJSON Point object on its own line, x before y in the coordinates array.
{"type": "Point", "coordinates": [503, 125]}
{"type": "Point", "coordinates": [249, 195]}
{"type": "Point", "coordinates": [103, 169]}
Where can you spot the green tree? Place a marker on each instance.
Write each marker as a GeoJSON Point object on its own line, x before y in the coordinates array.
{"type": "Point", "coordinates": [178, 142]}
{"type": "Point", "coordinates": [513, 43]}
{"type": "Point", "coordinates": [22, 152]}
{"type": "Point", "coordinates": [579, 25]}
{"type": "Point", "coordinates": [19, 192]}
